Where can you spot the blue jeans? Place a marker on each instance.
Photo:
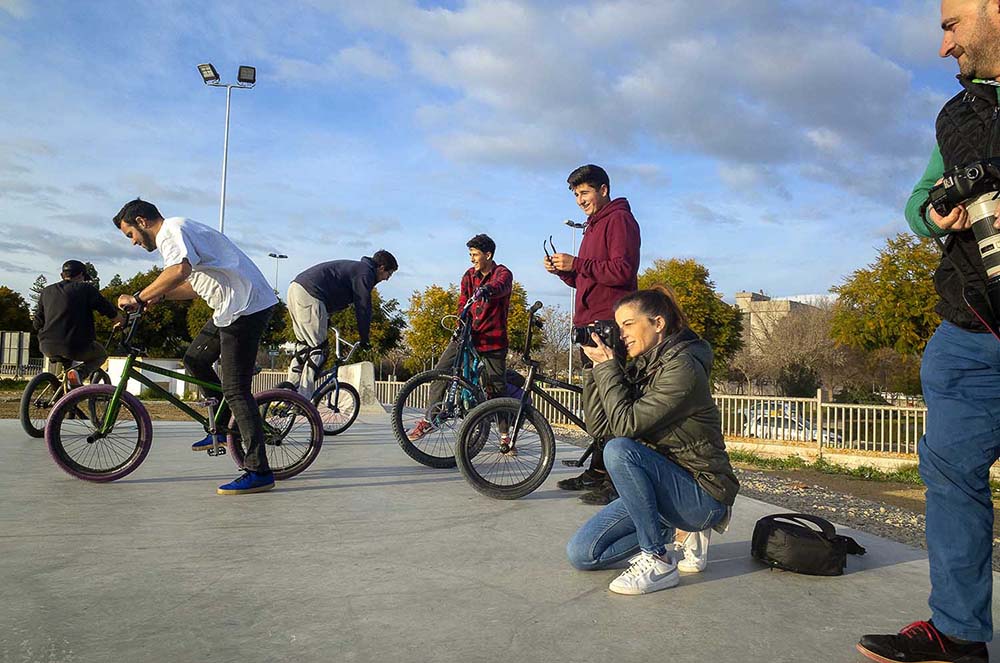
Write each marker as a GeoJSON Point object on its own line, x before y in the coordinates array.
{"type": "Point", "coordinates": [960, 374]}
{"type": "Point", "coordinates": [655, 496]}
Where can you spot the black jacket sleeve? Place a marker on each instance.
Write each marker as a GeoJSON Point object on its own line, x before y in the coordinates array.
{"type": "Point", "coordinates": [102, 305]}
{"type": "Point", "coordinates": [363, 285]}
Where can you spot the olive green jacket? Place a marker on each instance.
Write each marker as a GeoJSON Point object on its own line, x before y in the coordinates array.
{"type": "Point", "coordinates": [663, 399]}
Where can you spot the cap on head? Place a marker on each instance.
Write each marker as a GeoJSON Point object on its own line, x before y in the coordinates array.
{"type": "Point", "coordinates": [73, 268]}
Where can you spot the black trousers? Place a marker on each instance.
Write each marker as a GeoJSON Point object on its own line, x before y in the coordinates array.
{"type": "Point", "coordinates": [92, 356]}
{"type": "Point", "coordinates": [235, 346]}
{"type": "Point", "coordinates": [494, 369]}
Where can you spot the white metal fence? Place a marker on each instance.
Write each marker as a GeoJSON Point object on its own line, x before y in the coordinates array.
{"type": "Point", "coordinates": [21, 371]}
{"type": "Point", "coordinates": [804, 421]}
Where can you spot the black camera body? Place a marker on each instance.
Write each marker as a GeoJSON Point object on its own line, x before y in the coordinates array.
{"type": "Point", "coordinates": [964, 182]}
{"type": "Point", "coordinates": [607, 330]}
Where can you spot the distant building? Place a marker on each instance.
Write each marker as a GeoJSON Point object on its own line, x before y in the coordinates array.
{"type": "Point", "coordinates": [761, 313]}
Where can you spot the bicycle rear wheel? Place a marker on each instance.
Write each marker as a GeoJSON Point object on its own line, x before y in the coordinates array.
{"type": "Point", "coordinates": [77, 446]}
{"type": "Point", "coordinates": [490, 463]}
{"type": "Point", "coordinates": [433, 427]}
{"type": "Point", "coordinates": [338, 406]}
{"type": "Point", "coordinates": [293, 432]}
{"type": "Point", "coordinates": [36, 403]}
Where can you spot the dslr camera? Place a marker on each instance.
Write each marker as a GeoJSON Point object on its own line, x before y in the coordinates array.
{"type": "Point", "coordinates": [607, 330]}
{"type": "Point", "coordinates": [964, 182]}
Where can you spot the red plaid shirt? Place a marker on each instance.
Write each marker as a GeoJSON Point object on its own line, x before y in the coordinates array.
{"type": "Point", "coordinates": [489, 317]}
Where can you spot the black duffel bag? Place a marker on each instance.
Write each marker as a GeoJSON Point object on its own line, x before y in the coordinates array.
{"type": "Point", "coordinates": [786, 541]}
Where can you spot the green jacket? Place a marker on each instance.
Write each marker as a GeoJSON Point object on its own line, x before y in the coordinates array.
{"type": "Point", "coordinates": [663, 399]}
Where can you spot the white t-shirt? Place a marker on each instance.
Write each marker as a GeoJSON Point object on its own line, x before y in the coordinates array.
{"type": "Point", "coordinates": [221, 274]}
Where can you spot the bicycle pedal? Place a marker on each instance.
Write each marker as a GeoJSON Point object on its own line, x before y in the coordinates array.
{"type": "Point", "coordinates": [216, 451]}
{"type": "Point", "coordinates": [572, 463]}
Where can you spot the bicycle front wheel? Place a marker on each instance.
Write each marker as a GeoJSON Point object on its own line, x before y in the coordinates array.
{"type": "Point", "coordinates": [36, 403]}
{"type": "Point", "coordinates": [498, 461]}
{"type": "Point", "coordinates": [338, 406]}
{"type": "Point", "coordinates": [427, 430]}
{"type": "Point", "coordinates": [293, 432]}
{"type": "Point", "coordinates": [78, 446]}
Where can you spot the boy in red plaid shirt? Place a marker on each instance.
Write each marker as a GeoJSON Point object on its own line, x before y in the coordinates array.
{"type": "Point", "coordinates": [488, 319]}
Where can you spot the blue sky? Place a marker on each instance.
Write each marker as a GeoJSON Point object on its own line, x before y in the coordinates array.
{"type": "Point", "coordinates": [775, 142]}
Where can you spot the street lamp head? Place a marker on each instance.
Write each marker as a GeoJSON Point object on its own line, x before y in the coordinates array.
{"type": "Point", "coordinates": [247, 76]}
{"type": "Point", "coordinates": [208, 73]}
{"type": "Point", "coordinates": [573, 224]}
{"type": "Point", "coordinates": [276, 256]}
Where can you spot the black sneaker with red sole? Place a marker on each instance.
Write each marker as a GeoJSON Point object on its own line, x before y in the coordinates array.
{"type": "Point", "coordinates": [921, 642]}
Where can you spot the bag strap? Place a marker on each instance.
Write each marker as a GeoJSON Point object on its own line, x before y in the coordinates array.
{"type": "Point", "coordinates": [849, 545]}
{"type": "Point", "coordinates": [827, 530]}
{"type": "Point", "coordinates": [826, 527]}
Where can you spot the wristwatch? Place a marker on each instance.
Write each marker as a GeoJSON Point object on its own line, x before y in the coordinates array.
{"type": "Point", "coordinates": [138, 299]}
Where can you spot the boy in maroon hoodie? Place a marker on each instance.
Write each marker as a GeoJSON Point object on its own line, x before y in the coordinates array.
{"type": "Point", "coordinates": [605, 270]}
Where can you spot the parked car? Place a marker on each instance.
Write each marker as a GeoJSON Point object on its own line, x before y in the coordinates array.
{"type": "Point", "coordinates": [784, 427]}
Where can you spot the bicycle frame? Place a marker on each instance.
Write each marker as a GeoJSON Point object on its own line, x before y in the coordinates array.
{"type": "Point", "coordinates": [131, 371]}
{"type": "Point", "coordinates": [531, 388]}
{"type": "Point", "coordinates": [324, 378]}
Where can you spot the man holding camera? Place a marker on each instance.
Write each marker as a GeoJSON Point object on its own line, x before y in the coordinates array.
{"type": "Point", "coordinates": [960, 371]}
{"type": "Point", "coordinates": [605, 269]}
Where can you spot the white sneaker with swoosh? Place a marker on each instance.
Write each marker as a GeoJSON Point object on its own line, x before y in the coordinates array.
{"type": "Point", "coordinates": [647, 573]}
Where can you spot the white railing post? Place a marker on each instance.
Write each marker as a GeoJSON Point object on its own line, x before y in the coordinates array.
{"type": "Point", "coordinates": [819, 420]}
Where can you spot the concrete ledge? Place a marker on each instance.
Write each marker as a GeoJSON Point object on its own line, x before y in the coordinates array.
{"type": "Point", "coordinates": [362, 377]}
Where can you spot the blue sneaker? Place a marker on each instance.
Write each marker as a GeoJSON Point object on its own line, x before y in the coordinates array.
{"type": "Point", "coordinates": [206, 444]}
{"type": "Point", "coordinates": [250, 482]}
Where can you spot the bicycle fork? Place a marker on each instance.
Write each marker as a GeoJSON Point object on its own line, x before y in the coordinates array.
{"type": "Point", "coordinates": [216, 449]}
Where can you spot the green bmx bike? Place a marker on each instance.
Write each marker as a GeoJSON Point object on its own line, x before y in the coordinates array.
{"type": "Point", "coordinates": [103, 433]}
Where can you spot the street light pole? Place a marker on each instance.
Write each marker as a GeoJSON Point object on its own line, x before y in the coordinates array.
{"type": "Point", "coordinates": [572, 298]}
{"type": "Point", "coordinates": [225, 161]}
{"type": "Point", "coordinates": [277, 257]}
{"type": "Point", "coordinates": [246, 78]}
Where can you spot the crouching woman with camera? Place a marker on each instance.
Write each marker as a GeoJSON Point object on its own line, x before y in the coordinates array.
{"type": "Point", "coordinates": [665, 453]}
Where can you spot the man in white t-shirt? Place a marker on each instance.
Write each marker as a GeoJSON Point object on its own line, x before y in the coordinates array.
{"type": "Point", "coordinates": [201, 262]}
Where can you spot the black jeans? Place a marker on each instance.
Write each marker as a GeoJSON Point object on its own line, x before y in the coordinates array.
{"type": "Point", "coordinates": [91, 356]}
{"type": "Point", "coordinates": [494, 368]}
{"type": "Point", "coordinates": [235, 347]}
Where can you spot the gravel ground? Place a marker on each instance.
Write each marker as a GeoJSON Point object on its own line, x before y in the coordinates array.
{"type": "Point", "coordinates": [869, 516]}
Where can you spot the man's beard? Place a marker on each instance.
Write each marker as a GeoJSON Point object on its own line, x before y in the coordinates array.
{"type": "Point", "coordinates": [982, 59]}
{"type": "Point", "coordinates": [148, 242]}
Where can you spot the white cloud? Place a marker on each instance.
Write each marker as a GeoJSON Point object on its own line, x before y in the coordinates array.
{"type": "Point", "coordinates": [342, 65]}
{"type": "Point", "coordinates": [16, 8]}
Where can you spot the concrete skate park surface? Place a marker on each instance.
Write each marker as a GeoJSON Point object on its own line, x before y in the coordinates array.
{"type": "Point", "coordinates": [368, 556]}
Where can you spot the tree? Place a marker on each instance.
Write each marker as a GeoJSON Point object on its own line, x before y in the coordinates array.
{"type": "Point", "coordinates": [711, 318]}
{"type": "Point", "coordinates": [556, 335]}
{"type": "Point", "coordinates": [163, 330]}
{"type": "Point", "coordinates": [116, 281]}
{"type": "Point", "coordinates": [95, 279]}
{"type": "Point", "coordinates": [890, 303]}
{"type": "Point", "coordinates": [425, 335]}
{"type": "Point", "coordinates": [517, 321]}
{"type": "Point", "coordinates": [386, 329]}
{"type": "Point", "coordinates": [36, 291]}
{"type": "Point", "coordinates": [14, 312]}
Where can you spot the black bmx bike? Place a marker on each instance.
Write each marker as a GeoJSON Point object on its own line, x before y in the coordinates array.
{"type": "Point", "coordinates": [506, 447]}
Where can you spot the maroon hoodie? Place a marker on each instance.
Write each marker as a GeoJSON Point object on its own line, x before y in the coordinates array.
{"type": "Point", "coordinates": [606, 266]}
